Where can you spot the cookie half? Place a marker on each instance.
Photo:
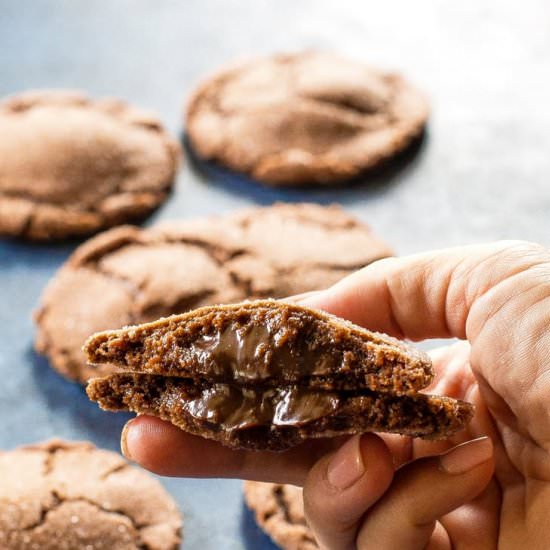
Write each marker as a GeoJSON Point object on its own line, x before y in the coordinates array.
{"type": "Point", "coordinates": [279, 511]}
{"type": "Point", "coordinates": [268, 375]}
{"type": "Point", "coordinates": [129, 275]}
{"type": "Point", "coordinates": [72, 495]}
{"type": "Point", "coordinates": [267, 419]}
{"type": "Point", "coordinates": [71, 166]}
{"type": "Point", "coordinates": [308, 117]}
{"type": "Point", "coordinates": [265, 344]}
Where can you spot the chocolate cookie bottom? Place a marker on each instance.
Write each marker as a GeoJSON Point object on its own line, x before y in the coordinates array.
{"type": "Point", "coordinates": [276, 419]}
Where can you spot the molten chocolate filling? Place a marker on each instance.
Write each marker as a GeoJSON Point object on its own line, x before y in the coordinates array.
{"type": "Point", "coordinates": [255, 352]}
{"type": "Point", "coordinates": [235, 408]}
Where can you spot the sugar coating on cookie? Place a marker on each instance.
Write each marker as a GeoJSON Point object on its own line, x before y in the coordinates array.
{"type": "Point", "coordinates": [129, 275]}
{"type": "Point", "coordinates": [71, 166]}
{"type": "Point", "coordinates": [279, 511]}
{"type": "Point", "coordinates": [309, 117]}
{"type": "Point", "coordinates": [66, 495]}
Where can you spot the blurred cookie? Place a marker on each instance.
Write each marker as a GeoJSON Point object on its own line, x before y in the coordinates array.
{"type": "Point", "coordinates": [57, 495]}
{"type": "Point", "coordinates": [70, 166]}
{"type": "Point", "coordinates": [130, 275]}
{"type": "Point", "coordinates": [279, 511]}
{"type": "Point", "coordinates": [309, 117]}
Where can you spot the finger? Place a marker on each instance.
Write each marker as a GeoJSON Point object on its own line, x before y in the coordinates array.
{"type": "Point", "coordinates": [476, 524]}
{"type": "Point", "coordinates": [164, 449]}
{"type": "Point", "coordinates": [427, 295]}
{"type": "Point", "coordinates": [424, 491]}
{"type": "Point", "coordinates": [453, 375]}
{"type": "Point", "coordinates": [342, 486]}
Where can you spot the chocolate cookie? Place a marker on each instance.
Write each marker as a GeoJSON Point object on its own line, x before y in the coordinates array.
{"type": "Point", "coordinates": [267, 375]}
{"type": "Point", "coordinates": [70, 166]}
{"type": "Point", "coordinates": [129, 276]}
{"type": "Point", "coordinates": [279, 511]}
{"type": "Point", "coordinates": [57, 495]}
{"type": "Point", "coordinates": [309, 117]}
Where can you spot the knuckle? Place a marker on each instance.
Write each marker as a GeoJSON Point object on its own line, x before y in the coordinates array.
{"type": "Point", "coordinates": [520, 249]}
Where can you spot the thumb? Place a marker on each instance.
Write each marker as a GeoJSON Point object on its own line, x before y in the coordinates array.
{"type": "Point", "coordinates": [422, 492]}
{"type": "Point", "coordinates": [342, 486]}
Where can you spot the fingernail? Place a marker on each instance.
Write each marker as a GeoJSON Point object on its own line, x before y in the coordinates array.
{"type": "Point", "coordinates": [467, 456]}
{"type": "Point", "coordinates": [346, 466]}
{"type": "Point", "coordinates": [124, 440]}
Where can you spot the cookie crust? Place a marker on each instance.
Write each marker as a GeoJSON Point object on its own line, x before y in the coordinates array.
{"type": "Point", "coordinates": [303, 118]}
{"type": "Point", "coordinates": [71, 166]}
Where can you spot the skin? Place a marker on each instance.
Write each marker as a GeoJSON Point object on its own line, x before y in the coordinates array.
{"type": "Point", "coordinates": [385, 492]}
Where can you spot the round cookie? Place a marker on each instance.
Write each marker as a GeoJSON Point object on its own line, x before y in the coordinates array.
{"type": "Point", "coordinates": [129, 275]}
{"type": "Point", "coordinates": [70, 166]}
{"type": "Point", "coordinates": [67, 496]}
{"type": "Point", "coordinates": [279, 511]}
{"type": "Point", "coordinates": [309, 117]}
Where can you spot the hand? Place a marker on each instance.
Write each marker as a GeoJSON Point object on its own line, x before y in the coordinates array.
{"type": "Point", "coordinates": [387, 492]}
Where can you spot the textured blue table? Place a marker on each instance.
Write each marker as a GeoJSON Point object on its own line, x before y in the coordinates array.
{"type": "Point", "coordinates": [481, 174]}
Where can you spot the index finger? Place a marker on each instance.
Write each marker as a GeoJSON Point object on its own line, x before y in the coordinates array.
{"type": "Point", "coordinates": [429, 295]}
{"type": "Point", "coordinates": [164, 449]}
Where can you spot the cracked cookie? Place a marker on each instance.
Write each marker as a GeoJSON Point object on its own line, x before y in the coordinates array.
{"type": "Point", "coordinates": [129, 275]}
{"type": "Point", "coordinates": [268, 375]}
{"type": "Point", "coordinates": [309, 117]}
{"type": "Point", "coordinates": [279, 511]}
{"type": "Point", "coordinates": [70, 165]}
{"type": "Point", "coordinates": [68, 495]}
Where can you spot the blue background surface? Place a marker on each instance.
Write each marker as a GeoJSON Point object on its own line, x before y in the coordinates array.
{"type": "Point", "coordinates": [482, 172]}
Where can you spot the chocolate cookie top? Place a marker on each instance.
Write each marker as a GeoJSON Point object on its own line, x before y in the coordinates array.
{"type": "Point", "coordinates": [268, 343]}
{"type": "Point", "coordinates": [309, 117]}
{"type": "Point", "coordinates": [279, 511]}
{"type": "Point", "coordinates": [71, 495]}
{"type": "Point", "coordinates": [127, 275]}
{"type": "Point", "coordinates": [70, 166]}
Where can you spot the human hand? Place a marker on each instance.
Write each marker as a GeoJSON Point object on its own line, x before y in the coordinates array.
{"type": "Point", "coordinates": [394, 492]}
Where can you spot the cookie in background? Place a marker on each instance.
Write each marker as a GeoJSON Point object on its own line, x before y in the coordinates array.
{"type": "Point", "coordinates": [129, 275]}
{"type": "Point", "coordinates": [71, 166]}
{"type": "Point", "coordinates": [60, 494]}
{"type": "Point", "coordinates": [279, 511]}
{"type": "Point", "coordinates": [304, 118]}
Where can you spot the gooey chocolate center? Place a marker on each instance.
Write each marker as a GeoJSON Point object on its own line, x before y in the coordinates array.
{"type": "Point", "coordinates": [257, 352]}
{"type": "Point", "coordinates": [233, 407]}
